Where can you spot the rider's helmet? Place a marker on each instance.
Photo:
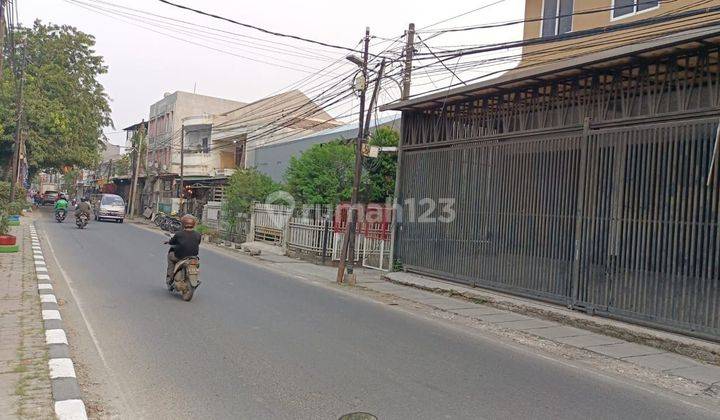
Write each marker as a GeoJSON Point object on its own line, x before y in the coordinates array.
{"type": "Point", "coordinates": [83, 199]}
{"type": "Point", "coordinates": [188, 221]}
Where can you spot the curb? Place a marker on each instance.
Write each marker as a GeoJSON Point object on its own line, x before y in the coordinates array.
{"type": "Point", "coordinates": [68, 403]}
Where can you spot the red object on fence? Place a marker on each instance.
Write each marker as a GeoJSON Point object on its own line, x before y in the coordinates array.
{"type": "Point", "coordinates": [373, 220]}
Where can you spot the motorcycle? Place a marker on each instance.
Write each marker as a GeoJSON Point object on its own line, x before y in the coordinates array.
{"type": "Point", "coordinates": [185, 277]}
{"type": "Point", "coordinates": [81, 221]}
{"type": "Point", "coordinates": [60, 215]}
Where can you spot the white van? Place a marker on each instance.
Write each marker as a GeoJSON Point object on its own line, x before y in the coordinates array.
{"type": "Point", "coordinates": [108, 207]}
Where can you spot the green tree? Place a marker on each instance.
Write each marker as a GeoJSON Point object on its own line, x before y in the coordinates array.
{"type": "Point", "coordinates": [65, 105]}
{"type": "Point", "coordinates": [380, 183]}
{"type": "Point", "coordinates": [323, 174]}
{"type": "Point", "coordinates": [122, 167]}
{"type": "Point", "coordinates": [244, 187]}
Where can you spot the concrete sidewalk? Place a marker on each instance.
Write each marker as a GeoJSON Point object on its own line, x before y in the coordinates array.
{"type": "Point", "coordinates": [24, 379]}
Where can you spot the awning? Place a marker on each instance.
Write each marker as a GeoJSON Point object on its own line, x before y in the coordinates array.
{"type": "Point", "coordinates": [560, 69]}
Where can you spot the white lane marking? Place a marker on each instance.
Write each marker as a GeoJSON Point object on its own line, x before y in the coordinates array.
{"type": "Point", "coordinates": [50, 314]}
{"type": "Point", "coordinates": [48, 298]}
{"type": "Point", "coordinates": [37, 252]}
{"type": "Point", "coordinates": [56, 336]}
{"type": "Point", "coordinates": [70, 410]}
{"type": "Point", "coordinates": [44, 286]}
{"type": "Point", "coordinates": [38, 262]}
{"type": "Point", "coordinates": [43, 277]}
{"type": "Point", "coordinates": [39, 257]}
{"type": "Point", "coordinates": [36, 248]}
{"type": "Point", "coordinates": [78, 302]}
{"type": "Point", "coordinates": [41, 269]}
{"type": "Point", "coordinates": [61, 368]}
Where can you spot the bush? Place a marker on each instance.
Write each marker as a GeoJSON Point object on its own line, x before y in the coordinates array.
{"type": "Point", "coordinates": [244, 187]}
{"type": "Point", "coordinates": [4, 225]}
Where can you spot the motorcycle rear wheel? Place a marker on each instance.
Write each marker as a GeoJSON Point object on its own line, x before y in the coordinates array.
{"type": "Point", "coordinates": [188, 293]}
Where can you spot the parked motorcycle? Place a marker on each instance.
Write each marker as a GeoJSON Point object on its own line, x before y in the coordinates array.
{"type": "Point", "coordinates": [81, 221]}
{"type": "Point", "coordinates": [60, 215]}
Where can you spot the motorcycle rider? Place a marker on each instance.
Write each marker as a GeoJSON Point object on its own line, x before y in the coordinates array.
{"type": "Point", "coordinates": [183, 244]}
{"type": "Point", "coordinates": [61, 204]}
{"type": "Point", "coordinates": [83, 208]}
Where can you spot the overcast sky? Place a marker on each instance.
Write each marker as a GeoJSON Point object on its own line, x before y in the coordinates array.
{"type": "Point", "coordinates": [149, 57]}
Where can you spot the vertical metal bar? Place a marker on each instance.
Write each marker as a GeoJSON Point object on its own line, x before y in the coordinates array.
{"type": "Point", "coordinates": [579, 211]}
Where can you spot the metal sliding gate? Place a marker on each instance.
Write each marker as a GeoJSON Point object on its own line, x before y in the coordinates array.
{"type": "Point", "coordinates": [616, 220]}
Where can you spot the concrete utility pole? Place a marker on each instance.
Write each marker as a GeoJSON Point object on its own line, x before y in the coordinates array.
{"type": "Point", "coordinates": [407, 79]}
{"type": "Point", "coordinates": [350, 228]}
{"type": "Point", "coordinates": [136, 169]}
{"type": "Point", "coordinates": [15, 175]}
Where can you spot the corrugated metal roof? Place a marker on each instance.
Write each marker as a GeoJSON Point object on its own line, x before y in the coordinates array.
{"type": "Point", "coordinates": [561, 69]}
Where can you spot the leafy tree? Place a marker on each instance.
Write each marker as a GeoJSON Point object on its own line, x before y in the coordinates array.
{"type": "Point", "coordinates": [122, 167]}
{"type": "Point", "coordinates": [323, 174]}
{"type": "Point", "coordinates": [65, 105]}
{"type": "Point", "coordinates": [244, 187]}
{"type": "Point", "coordinates": [381, 170]}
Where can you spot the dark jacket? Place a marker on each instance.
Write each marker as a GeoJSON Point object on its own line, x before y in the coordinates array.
{"type": "Point", "coordinates": [185, 243]}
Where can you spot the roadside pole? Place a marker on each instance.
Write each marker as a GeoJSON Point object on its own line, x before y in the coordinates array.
{"type": "Point", "coordinates": [15, 175]}
{"type": "Point", "coordinates": [350, 228]}
{"type": "Point", "coordinates": [2, 34]}
{"type": "Point", "coordinates": [397, 201]}
{"type": "Point", "coordinates": [182, 161]}
{"type": "Point", "coordinates": [136, 169]}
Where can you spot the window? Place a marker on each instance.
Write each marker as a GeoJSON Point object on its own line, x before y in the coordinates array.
{"type": "Point", "coordinates": [624, 8]}
{"type": "Point", "coordinates": [557, 17]}
{"type": "Point", "coordinates": [205, 145]}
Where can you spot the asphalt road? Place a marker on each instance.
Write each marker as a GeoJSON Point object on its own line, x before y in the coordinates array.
{"type": "Point", "coordinates": [255, 344]}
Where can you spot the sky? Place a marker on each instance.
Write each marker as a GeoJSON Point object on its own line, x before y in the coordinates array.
{"type": "Point", "coordinates": [147, 56]}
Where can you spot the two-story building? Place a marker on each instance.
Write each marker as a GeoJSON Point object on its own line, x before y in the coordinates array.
{"type": "Point", "coordinates": [587, 176]}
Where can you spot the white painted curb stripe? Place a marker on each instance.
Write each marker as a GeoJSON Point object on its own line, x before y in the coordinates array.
{"type": "Point", "coordinates": [36, 248]}
{"type": "Point", "coordinates": [44, 286]}
{"type": "Point", "coordinates": [70, 410]}
{"type": "Point", "coordinates": [61, 368]}
{"type": "Point", "coordinates": [38, 262]}
{"type": "Point", "coordinates": [43, 277]}
{"type": "Point", "coordinates": [50, 314]}
{"type": "Point", "coordinates": [41, 269]}
{"type": "Point", "coordinates": [48, 299]}
{"type": "Point", "coordinates": [55, 337]}
{"type": "Point", "coordinates": [39, 258]}
{"type": "Point", "coordinates": [37, 253]}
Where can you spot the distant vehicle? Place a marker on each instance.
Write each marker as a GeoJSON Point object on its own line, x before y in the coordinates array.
{"type": "Point", "coordinates": [108, 207]}
{"type": "Point", "coordinates": [49, 197]}
{"type": "Point", "coordinates": [44, 188]}
{"type": "Point", "coordinates": [81, 221]}
{"type": "Point", "coordinates": [60, 215]}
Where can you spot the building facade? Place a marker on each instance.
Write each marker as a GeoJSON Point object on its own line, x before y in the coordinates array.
{"type": "Point", "coordinates": [588, 181]}
{"type": "Point", "coordinates": [165, 122]}
{"type": "Point", "coordinates": [560, 29]}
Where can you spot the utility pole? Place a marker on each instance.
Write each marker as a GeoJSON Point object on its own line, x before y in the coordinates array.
{"type": "Point", "coordinates": [2, 34]}
{"type": "Point", "coordinates": [182, 161]}
{"type": "Point", "coordinates": [350, 228]}
{"type": "Point", "coordinates": [397, 205]}
{"type": "Point", "coordinates": [110, 168]}
{"type": "Point", "coordinates": [136, 169]}
{"type": "Point", "coordinates": [18, 121]}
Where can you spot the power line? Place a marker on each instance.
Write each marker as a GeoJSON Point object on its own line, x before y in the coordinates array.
{"type": "Point", "coordinates": [257, 28]}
